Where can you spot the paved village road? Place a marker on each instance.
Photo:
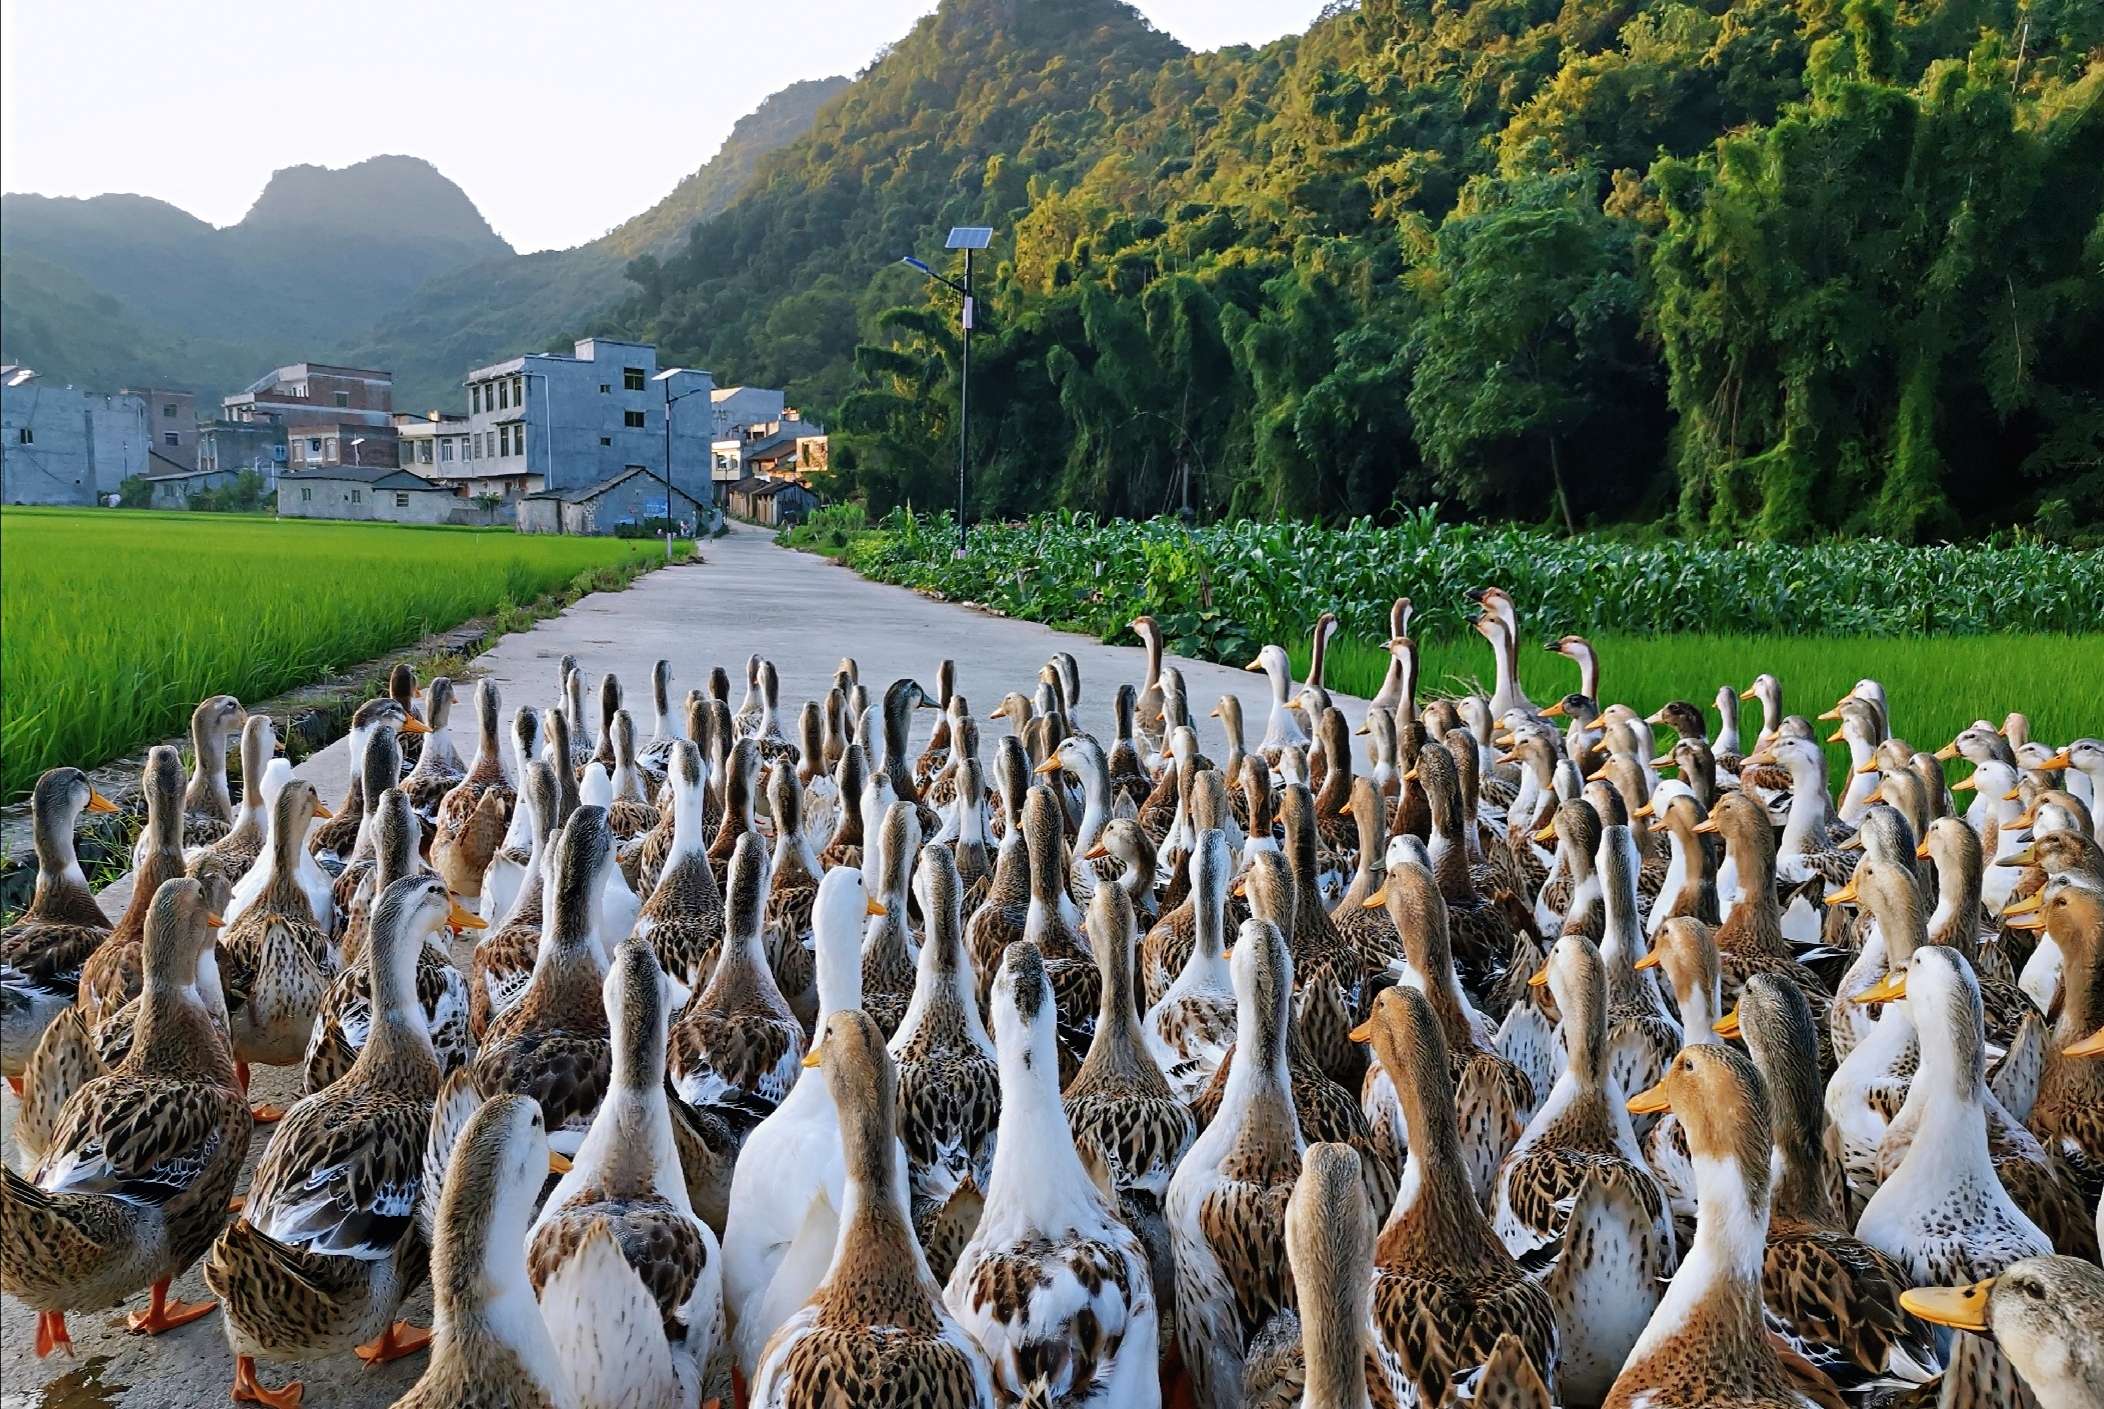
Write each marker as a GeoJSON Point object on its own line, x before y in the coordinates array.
{"type": "Point", "coordinates": [801, 611]}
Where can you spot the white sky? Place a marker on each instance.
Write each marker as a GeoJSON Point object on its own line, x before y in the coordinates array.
{"type": "Point", "coordinates": [197, 102]}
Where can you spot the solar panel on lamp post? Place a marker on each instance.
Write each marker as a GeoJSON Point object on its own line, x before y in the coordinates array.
{"type": "Point", "coordinates": [967, 238]}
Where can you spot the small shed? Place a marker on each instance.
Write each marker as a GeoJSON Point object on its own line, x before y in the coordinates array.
{"type": "Point", "coordinates": [630, 497]}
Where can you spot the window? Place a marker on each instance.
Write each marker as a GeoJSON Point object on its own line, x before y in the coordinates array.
{"type": "Point", "coordinates": [632, 379]}
{"type": "Point", "coordinates": [445, 450]}
{"type": "Point", "coordinates": [503, 395]}
{"type": "Point", "coordinates": [606, 440]}
{"type": "Point", "coordinates": [357, 496]}
{"type": "Point", "coordinates": [606, 388]}
{"type": "Point", "coordinates": [306, 494]}
{"type": "Point", "coordinates": [402, 500]}
{"type": "Point", "coordinates": [343, 398]}
{"type": "Point", "coordinates": [314, 445]}
{"type": "Point", "coordinates": [277, 453]}
{"type": "Point", "coordinates": [168, 410]}
{"type": "Point", "coordinates": [25, 436]}
{"type": "Point", "coordinates": [475, 397]}
{"type": "Point", "coordinates": [518, 391]}
{"type": "Point", "coordinates": [423, 453]}
{"type": "Point", "coordinates": [170, 438]}
{"type": "Point", "coordinates": [634, 420]}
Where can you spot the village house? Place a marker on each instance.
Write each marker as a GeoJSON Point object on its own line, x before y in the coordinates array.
{"type": "Point", "coordinates": [630, 496]}
{"type": "Point", "coordinates": [332, 415]}
{"type": "Point", "coordinates": [377, 493]}
{"type": "Point", "coordinates": [63, 445]}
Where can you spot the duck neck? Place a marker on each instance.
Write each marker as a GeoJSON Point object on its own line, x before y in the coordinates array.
{"type": "Point", "coordinates": [1435, 1210]}
{"type": "Point", "coordinates": [1035, 1162]}
{"type": "Point", "coordinates": [876, 1253]}
{"type": "Point", "coordinates": [1956, 920]}
{"type": "Point", "coordinates": [401, 1034]}
{"type": "Point", "coordinates": [61, 888]}
{"type": "Point", "coordinates": [1333, 1341]}
{"type": "Point", "coordinates": [1095, 806]}
{"type": "Point", "coordinates": [1718, 1286]}
{"type": "Point", "coordinates": [178, 1034]}
{"type": "Point", "coordinates": [207, 791]}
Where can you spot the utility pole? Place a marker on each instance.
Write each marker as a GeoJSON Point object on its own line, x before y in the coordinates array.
{"type": "Point", "coordinates": [967, 238]}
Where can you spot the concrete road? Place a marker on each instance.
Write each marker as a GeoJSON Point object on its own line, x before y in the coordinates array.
{"type": "Point", "coordinates": [800, 611]}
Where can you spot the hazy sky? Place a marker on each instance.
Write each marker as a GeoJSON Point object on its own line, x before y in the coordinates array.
{"type": "Point", "coordinates": [559, 119]}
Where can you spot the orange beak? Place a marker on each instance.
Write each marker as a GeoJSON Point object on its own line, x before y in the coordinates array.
{"type": "Point", "coordinates": [214, 921]}
{"type": "Point", "coordinates": [1650, 1102]}
{"type": "Point", "coordinates": [1555, 711]}
{"type": "Point", "coordinates": [412, 725]}
{"type": "Point", "coordinates": [98, 803]}
{"type": "Point", "coordinates": [1727, 1027]}
{"type": "Point", "coordinates": [1649, 961]}
{"type": "Point", "coordinates": [460, 918]}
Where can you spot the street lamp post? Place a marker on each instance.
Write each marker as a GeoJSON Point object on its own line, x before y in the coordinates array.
{"type": "Point", "coordinates": [664, 378]}
{"type": "Point", "coordinates": [967, 238]}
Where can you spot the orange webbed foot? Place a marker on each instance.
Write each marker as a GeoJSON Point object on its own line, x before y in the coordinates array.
{"type": "Point", "coordinates": [248, 1390]}
{"type": "Point", "coordinates": [52, 1334]}
{"type": "Point", "coordinates": [398, 1340]}
{"type": "Point", "coordinates": [165, 1313]}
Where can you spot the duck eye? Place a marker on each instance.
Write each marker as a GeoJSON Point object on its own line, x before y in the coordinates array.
{"type": "Point", "coordinates": [2034, 1291]}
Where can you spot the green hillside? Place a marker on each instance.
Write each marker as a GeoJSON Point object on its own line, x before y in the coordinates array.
{"type": "Point", "coordinates": [1777, 267]}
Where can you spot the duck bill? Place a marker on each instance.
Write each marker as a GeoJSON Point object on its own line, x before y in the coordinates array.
{"type": "Point", "coordinates": [1748, 694]}
{"type": "Point", "coordinates": [1962, 1307]}
{"type": "Point", "coordinates": [1889, 989]}
{"type": "Point", "coordinates": [2056, 763]}
{"type": "Point", "coordinates": [1946, 753]}
{"type": "Point", "coordinates": [811, 1060]}
{"type": "Point", "coordinates": [1096, 852]}
{"type": "Point", "coordinates": [1555, 711]}
{"type": "Point", "coordinates": [1050, 765]}
{"type": "Point", "coordinates": [2090, 1046]}
{"type": "Point", "coordinates": [1650, 1102]}
{"type": "Point", "coordinates": [98, 803]}
{"type": "Point", "coordinates": [1646, 810]}
{"type": "Point", "coordinates": [2028, 923]}
{"type": "Point", "coordinates": [1539, 978]}
{"type": "Point", "coordinates": [1546, 834]}
{"type": "Point", "coordinates": [1868, 765]}
{"type": "Point", "coordinates": [558, 1164]}
{"type": "Point", "coordinates": [1376, 900]}
{"type": "Point", "coordinates": [1921, 853]}
{"type": "Point", "coordinates": [1363, 1032]}
{"type": "Point", "coordinates": [1847, 895]}
{"type": "Point", "coordinates": [1256, 665]}
{"type": "Point", "coordinates": [1964, 785]}
{"type": "Point", "coordinates": [873, 906]}
{"type": "Point", "coordinates": [2029, 905]}
{"type": "Point", "coordinates": [1828, 717]}
{"type": "Point", "coordinates": [459, 918]}
{"type": "Point", "coordinates": [2028, 856]}
{"type": "Point", "coordinates": [1708, 827]}
{"type": "Point", "coordinates": [412, 725]}
{"type": "Point", "coordinates": [1727, 1027]}
{"type": "Point", "coordinates": [1649, 961]}
{"type": "Point", "coordinates": [214, 920]}
{"type": "Point", "coordinates": [1763, 759]}
{"type": "Point", "coordinates": [1839, 736]}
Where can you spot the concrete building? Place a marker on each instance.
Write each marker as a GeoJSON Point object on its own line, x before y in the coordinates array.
{"type": "Point", "coordinates": [371, 492]}
{"type": "Point", "coordinates": [768, 447]}
{"type": "Point", "coordinates": [772, 502]}
{"type": "Point", "coordinates": [317, 395]}
{"type": "Point", "coordinates": [173, 415]}
{"type": "Point", "coordinates": [629, 496]}
{"type": "Point", "coordinates": [580, 420]}
{"type": "Point", "coordinates": [367, 447]}
{"type": "Point", "coordinates": [62, 445]}
{"type": "Point", "coordinates": [434, 445]}
{"type": "Point", "coordinates": [736, 407]}
{"type": "Point", "coordinates": [242, 445]}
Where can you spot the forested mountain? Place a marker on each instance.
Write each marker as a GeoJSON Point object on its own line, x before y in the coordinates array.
{"type": "Point", "coordinates": [497, 308]}
{"type": "Point", "coordinates": [1781, 267]}
{"type": "Point", "coordinates": [315, 255]}
{"type": "Point", "coordinates": [126, 289]}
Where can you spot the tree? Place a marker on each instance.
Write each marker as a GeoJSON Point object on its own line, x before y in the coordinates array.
{"type": "Point", "coordinates": [1531, 307]}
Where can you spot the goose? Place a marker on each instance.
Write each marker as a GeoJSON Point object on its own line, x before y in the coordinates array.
{"type": "Point", "coordinates": [1052, 1283]}
{"type": "Point", "coordinates": [1282, 730]}
{"type": "Point", "coordinates": [505, 871]}
{"type": "Point", "coordinates": [629, 1279]}
{"type": "Point", "coordinates": [1831, 1296]}
{"type": "Point", "coordinates": [788, 1190]}
{"type": "Point", "coordinates": [344, 1019]}
{"type": "Point", "coordinates": [1499, 625]}
{"type": "Point", "coordinates": [1125, 1117]}
{"type": "Point", "coordinates": [1318, 1354]}
{"type": "Point", "coordinates": [44, 950]}
{"type": "Point", "coordinates": [1577, 1180]}
{"type": "Point", "coordinates": [327, 1244]}
{"type": "Point", "coordinates": [1226, 1202]}
{"type": "Point", "coordinates": [489, 1347]}
{"type": "Point", "coordinates": [225, 861]}
{"type": "Point", "coordinates": [474, 817]}
{"type": "Point", "coordinates": [949, 1085]}
{"type": "Point", "coordinates": [133, 1184]}
{"type": "Point", "coordinates": [877, 1323]}
{"type": "Point", "coordinates": [554, 1044]}
{"type": "Point", "coordinates": [1943, 1215]}
{"type": "Point", "coordinates": [1706, 1346]}
{"type": "Point", "coordinates": [733, 1051]}
{"type": "Point", "coordinates": [1445, 1290]}
{"type": "Point", "coordinates": [2045, 1313]}
{"type": "Point", "coordinates": [1189, 1029]}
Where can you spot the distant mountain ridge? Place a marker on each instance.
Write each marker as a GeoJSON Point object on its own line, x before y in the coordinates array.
{"type": "Point", "coordinates": [385, 262]}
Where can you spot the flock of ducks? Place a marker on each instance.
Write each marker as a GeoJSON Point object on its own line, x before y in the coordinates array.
{"type": "Point", "coordinates": [1076, 1070]}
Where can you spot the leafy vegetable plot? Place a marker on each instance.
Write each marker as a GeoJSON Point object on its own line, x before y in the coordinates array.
{"type": "Point", "coordinates": [113, 625]}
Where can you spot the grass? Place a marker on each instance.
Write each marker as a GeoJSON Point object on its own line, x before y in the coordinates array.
{"type": "Point", "coordinates": [1936, 687]}
{"type": "Point", "coordinates": [113, 625]}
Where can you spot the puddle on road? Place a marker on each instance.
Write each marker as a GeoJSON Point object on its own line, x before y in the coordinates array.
{"type": "Point", "coordinates": [83, 1388]}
